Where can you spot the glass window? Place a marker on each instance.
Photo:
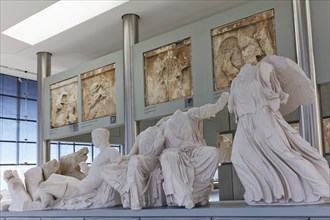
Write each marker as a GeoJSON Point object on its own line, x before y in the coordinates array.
{"type": "Point", "coordinates": [8, 153]}
{"type": "Point", "coordinates": [27, 131]}
{"type": "Point", "coordinates": [9, 85]}
{"type": "Point", "coordinates": [28, 89]}
{"type": "Point", "coordinates": [28, 109]}
{"type": "Point", "coordinates": [96, 152]}
{"type": "Point", "coordinates": [54, 151]}
{"type": "Point", "coordinates": [8, 131]}
{"type": "Point", "coordinates": [23, 87]}
{"type": "Point", "coordinates": [9, 107]}
{"type": "Point", "coordinates": [1, 83]}
{"type": "Point", "coordinates": [66, 149]}
{"type": "Point", "coordinates": [27, 153]}
{"type": "Point", "coordinates": [1, 105]}
{"type": "Point", "coordinates": [32, 89]}
{"type": "Point", "coordinates": [117, 147]}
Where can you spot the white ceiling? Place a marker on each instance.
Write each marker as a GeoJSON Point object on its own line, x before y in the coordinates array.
{"type": "Point", "coordinates": [99, 36]}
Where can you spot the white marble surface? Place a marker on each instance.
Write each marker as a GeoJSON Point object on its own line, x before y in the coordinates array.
{"type": "Point", "coordinates": [91, 191]}
{"type": "Point", "coordinates": [274, 163]}
{"type": "Point", "coordinates": [189, 165]}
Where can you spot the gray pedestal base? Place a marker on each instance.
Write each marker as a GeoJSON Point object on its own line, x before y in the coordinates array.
{"type": "Point", "coordinates": [230, 187]}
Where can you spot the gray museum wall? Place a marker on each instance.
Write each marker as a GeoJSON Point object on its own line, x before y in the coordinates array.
{"type": "Point", "coordinates": [320, 17]}
{"type": "Point", "coordinates": [202, 60]}
{"type": "Point", "coordinates": [202, 63]}
{"type": "Point", "coordinates": [202, 70]}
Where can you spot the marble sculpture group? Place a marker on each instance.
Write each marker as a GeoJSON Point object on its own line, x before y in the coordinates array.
{"type": "Point", "coordinates": [170, 163]}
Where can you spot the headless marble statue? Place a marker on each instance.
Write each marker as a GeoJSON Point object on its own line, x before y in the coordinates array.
{"type": "Point", "coordinates": [274, 163]}
{"type": "Point", "coordinates": [189, 165]}
{"type": "Point", "coordinates": [88, 192]}
{"type": "Point", "coordinates": [131, 177]}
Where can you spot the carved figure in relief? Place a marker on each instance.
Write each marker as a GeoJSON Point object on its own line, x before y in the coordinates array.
{"type": "Point", "coordinates": [180, 80]}
{"type": "Point", "coordinates": [230, 60]}
{"type": "Point", "coordinates": [168, 73]}
{"type": "Point", "coordinates": [326, 130]}
{"type": "Point", "coordinates": [64, 106]}
{"type": "Point", "coordinates": [90, 192]}
{"type": "Point", "coordinates": [156, 80]}
{"type": "Point", "coordinates": [225, 146]}
{"type": "Point", "coordinates": [99, 94]}
{"type": "Point", "coordinates": [236, 43]}
{"type": "Point", "coordinates": [137, 176]}
{"type": "Point", "coordinates": [274, 163]}
{"type": "Point", "coordinates": [189, 165]}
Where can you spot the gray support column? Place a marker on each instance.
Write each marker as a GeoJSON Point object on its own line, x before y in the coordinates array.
{"type": "Point", "coordinates": [43, 71]}
{"type": "Point", "coordinates": [130, 36]}
{"type": "Point", "coordinates": [310, 116]}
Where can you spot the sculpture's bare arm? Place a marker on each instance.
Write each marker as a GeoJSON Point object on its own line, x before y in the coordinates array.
{"type": "Point", "coordinates": [208, 110]}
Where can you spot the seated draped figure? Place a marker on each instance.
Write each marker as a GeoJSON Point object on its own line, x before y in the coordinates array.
{"type": "Point", "coordinates": [137, 176]}
{"type": "Point", "coordinates": [188, 165]}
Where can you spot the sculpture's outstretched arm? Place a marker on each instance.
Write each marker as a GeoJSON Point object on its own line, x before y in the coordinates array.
{"type": "Point", "coordinates": [208, 110]}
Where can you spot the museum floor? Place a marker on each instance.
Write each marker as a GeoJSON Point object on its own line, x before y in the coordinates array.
{"type": "Point", "coordinates": [224, 210]}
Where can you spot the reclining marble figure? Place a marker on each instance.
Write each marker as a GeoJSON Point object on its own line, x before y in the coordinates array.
{"type": "Point", "coordinates": [188, 165]}
{"type": "Point", "coordinates": [274, 163]}
{"type": "Point", "coordinates": [136, 176]}
{"type": "Point", "coordinates": [68, 166]}
{"type": "Point", "coordinates": [90, 192]}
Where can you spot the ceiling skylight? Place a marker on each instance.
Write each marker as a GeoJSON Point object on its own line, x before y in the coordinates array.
{"type": "Point", "coordinates": [57, 18]}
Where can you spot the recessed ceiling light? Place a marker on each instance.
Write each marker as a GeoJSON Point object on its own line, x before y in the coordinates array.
{"type": "Point", "coordinates": [57, 18]}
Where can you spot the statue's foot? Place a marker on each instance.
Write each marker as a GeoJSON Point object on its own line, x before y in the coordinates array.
{"type": "Point", "coordinates": [322, 200]}
{"type": "Point", "coordinates": [170, 201]}
{"type": "Point", "coordinates": [46, 198]}
{"type": "Point", "coordinates": [125, 200]}
{"type": "Point", "coordinates": [136, 207]}
{"type": "Point", "coordinates": [189, 204]}
{"type": "Point", "coordinates": [203, 203]}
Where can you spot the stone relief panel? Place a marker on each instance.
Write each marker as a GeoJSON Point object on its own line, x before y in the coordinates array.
{"type": "Point", "coordinates": [295, 126]}
{"type": "Point", "coordinates": [64, 102]}
{"type": "Point", "coordinates": [225, 143]}
{"type": "Point", "coordinates": [99, 93]}
{"type": "Point", "coordinates": [237, 43]}
{"type": "Point", "coordinates": [167, 73]}
{"type": "Point", "coordinates": [326, 135]}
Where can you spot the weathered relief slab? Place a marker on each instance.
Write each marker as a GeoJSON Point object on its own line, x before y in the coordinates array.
{"type": "Point", "coordinates": [225, 143]}
{"type": "Point", "coordinates": [64, 102]}
{"type": "Point", "coordinates": [295, 126]}
{"type": "Point", "coordinates": [238, 42]}
{"type": "Point", "coordinates": [167, 73]}
{"type": "Point", "coordinates": [98, 92]}
{"type": "Point", "coordinates": [326, 132]}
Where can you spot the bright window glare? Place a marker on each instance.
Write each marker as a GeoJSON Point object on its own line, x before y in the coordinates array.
{"type": "Point", "coordinates": [57, 18]}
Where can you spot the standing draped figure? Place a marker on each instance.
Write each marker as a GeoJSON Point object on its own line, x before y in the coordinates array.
{"type": "Point", "coordinates": [274, 163]}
